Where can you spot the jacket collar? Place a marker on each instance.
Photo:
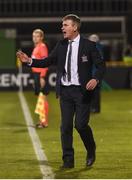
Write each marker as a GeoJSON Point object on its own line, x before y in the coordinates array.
{"type": "Point", "coordinates": [80, 48]}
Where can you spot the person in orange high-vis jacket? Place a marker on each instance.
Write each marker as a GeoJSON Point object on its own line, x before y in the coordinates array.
{"type": "Point", "coordinates": [40, 51]}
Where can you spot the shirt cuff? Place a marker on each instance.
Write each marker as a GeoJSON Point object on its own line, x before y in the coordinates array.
{"type": "Point", "coordinates": [30, 63]}
{"type": "Point", "coordinates": [97, 81]}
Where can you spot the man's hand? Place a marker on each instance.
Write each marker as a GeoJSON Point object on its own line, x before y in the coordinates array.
{"type": "Point", "coordinates": [23, 57]}
{"type": "Point", "coordinates": [91, 84]}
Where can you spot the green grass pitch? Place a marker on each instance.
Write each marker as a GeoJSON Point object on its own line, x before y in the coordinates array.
{"type": "Point", "coordinates": [112, 130]}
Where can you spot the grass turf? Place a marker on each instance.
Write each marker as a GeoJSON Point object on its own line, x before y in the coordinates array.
{"type": "Point", "coordinates": [112, 131]}
{"type": "Point", "coordinates": [17, 157]}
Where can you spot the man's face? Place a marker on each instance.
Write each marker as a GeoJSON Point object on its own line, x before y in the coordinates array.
{"type": "Point", "coordinates": [69, 29]}
{"type": "Point", "coordinates": [37, 38]}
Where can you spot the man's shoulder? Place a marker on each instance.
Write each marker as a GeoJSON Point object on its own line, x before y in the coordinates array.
{"type": "Point", "coordinates": [63, 41]}
{"type": "Point", "coordinates": [61, 44]}
{"type": "Point", "coordinates": [86, 40]}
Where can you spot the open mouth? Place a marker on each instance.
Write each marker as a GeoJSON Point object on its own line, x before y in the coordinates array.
{"type": "Point", "coordinates": [64, 33]}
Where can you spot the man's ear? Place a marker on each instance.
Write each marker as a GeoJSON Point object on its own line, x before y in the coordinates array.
{"type": "Point", "coordinates": [75, 28]}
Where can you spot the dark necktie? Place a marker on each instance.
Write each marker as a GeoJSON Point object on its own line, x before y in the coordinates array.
{"type": "Point", "coordinates": [69, 62]}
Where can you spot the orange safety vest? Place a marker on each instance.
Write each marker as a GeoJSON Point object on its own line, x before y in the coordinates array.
{"type": "Point", "coordinates": [40, 52]}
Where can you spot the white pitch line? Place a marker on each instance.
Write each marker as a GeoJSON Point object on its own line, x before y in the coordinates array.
{"type": "Point", "coordinates": [43, 161]}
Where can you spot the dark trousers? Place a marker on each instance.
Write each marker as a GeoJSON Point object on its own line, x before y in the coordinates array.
{"type": "Point", "coordinates": [75, 111]}
{"type": "Point", "coordinates": [37, 87]}
{"type": "Point", "coordinates": [36, 77]}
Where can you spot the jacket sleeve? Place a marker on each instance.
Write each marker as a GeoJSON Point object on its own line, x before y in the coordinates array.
{"type": "Point", "coordinates": [48, 61]}
{"type": "Point", "coordinates": [98, 61]}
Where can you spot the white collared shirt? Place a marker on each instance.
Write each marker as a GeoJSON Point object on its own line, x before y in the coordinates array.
{"type": "Point", "coordinates": [74, 64]}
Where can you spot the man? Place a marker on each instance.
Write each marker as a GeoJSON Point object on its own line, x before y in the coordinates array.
{"type": "Point", "coordinates": [74, 57]}
{"type": "Point", "coordinates": [40, 51]}
{"type": "Point", "coordinates": [96, 100]}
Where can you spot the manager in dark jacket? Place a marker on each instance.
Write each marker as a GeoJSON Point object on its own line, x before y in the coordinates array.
{"type": "Point", "coordinates": [74, 57]}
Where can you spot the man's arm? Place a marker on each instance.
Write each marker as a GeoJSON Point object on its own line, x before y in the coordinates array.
{"type": "Point", "coordinates": [99, 63]}
{"type": "Point", "coordinates": [50, 60]}
{"type": "Point", "coordinates": [100, 68]}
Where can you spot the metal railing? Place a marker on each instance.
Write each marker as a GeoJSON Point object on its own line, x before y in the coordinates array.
{"type": "Point", "coordinates": [61, 7]}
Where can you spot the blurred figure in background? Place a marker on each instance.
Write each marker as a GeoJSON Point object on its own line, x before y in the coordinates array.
{"type": "Point", "coordinates": [127, 54]}
{"type": "Point", "coordinates": [40, 51]}
{"type": "Point", "coordinates": [96, 100]}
